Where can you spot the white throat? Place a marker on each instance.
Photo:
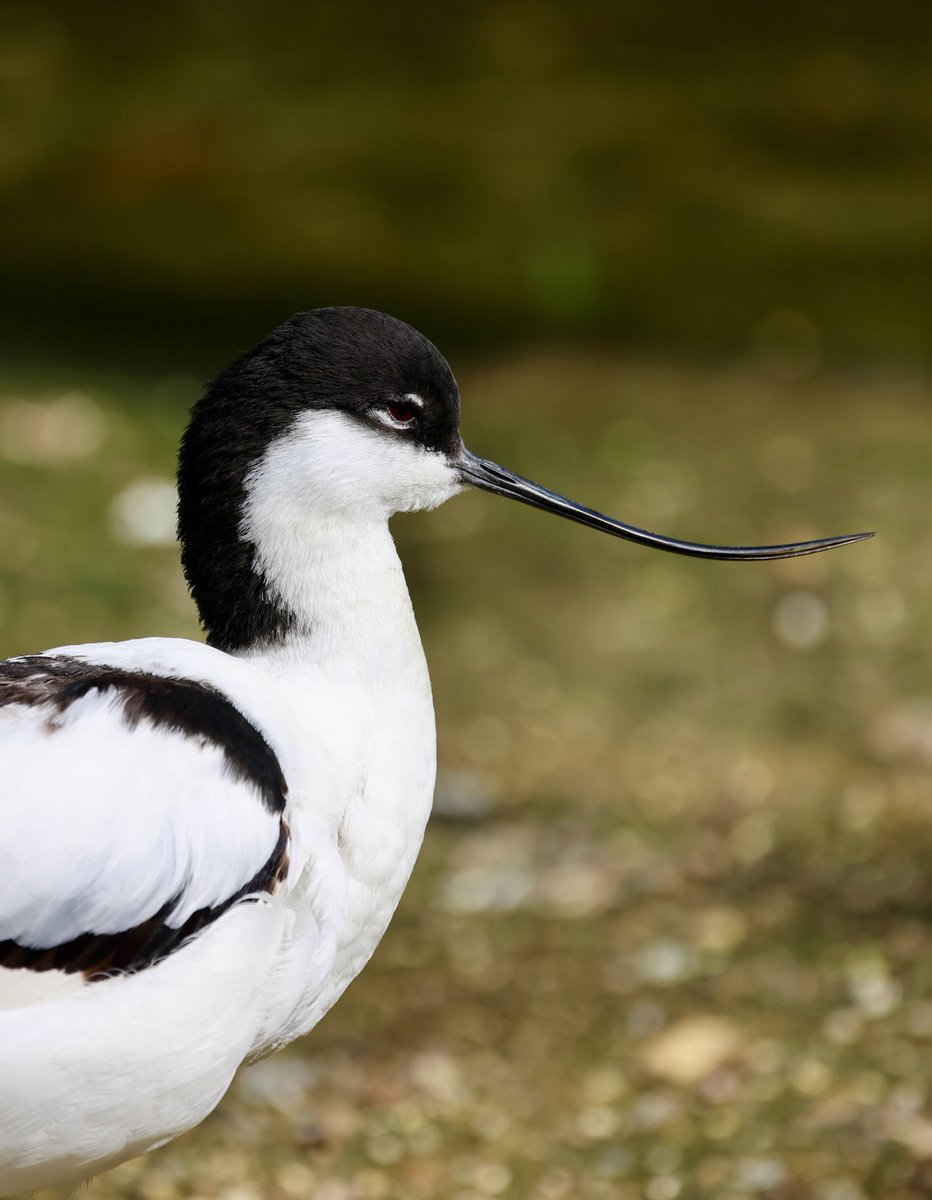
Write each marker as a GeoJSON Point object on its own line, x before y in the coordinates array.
{"type": "Point", "coordinates": [316, 511]}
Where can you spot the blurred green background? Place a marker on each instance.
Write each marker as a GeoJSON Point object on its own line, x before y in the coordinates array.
{"type": "Point", "coordinates": [669, 936]}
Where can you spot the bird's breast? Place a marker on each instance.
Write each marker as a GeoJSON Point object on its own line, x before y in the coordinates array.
{"type": "Point", "coordinates": [361, 769]}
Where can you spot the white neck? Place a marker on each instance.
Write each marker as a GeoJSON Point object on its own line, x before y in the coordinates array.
{"type": "Point", "coordinates": [353, 681]}
{"type": "Point", "coordinates": [351, 669]}
{"type": "Point", "coordinates": [316, 512]}
{"type": "Point", "coordinates": [344, 584]}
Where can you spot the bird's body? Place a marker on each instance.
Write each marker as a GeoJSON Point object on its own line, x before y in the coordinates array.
{"type": "Point", "coordinates": [152, 1049]}
{"type": "Point", "coordinates": [202, 845]}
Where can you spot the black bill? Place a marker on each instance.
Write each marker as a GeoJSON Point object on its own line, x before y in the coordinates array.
{"type": "Point", "coordinates": [493, 478]}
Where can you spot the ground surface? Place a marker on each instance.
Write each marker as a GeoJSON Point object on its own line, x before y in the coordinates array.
{"type": "Point", "coordinates": [669, 936]}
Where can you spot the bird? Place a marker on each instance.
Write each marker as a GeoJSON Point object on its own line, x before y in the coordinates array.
{"type": "Point", "coordinates": [202, 843]}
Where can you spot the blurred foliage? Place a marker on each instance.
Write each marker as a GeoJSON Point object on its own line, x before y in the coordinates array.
{"type": "Point", "coordinates": [648, 173]}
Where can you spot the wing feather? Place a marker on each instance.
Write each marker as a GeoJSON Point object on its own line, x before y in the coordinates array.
{"type": "Point", "coordinates": [134, 810]}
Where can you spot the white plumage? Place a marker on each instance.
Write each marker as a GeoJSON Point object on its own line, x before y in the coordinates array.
{"type": "Point", "coordinates": [201, 845]}
{"type": "Point", "coordinates": [129, 820]}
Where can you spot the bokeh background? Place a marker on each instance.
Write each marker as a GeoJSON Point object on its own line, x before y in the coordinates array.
{"type": "Point", "coordinates": [670, 933]}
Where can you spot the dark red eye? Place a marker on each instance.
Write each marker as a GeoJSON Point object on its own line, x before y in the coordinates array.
{"type": "Point", "coordinates": [402, 412]}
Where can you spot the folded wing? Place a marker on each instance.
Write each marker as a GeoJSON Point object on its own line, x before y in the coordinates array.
{"type": "Point", "coordinates": [135, 809]}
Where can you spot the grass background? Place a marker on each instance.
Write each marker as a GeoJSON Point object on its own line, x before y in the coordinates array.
{"type": "Point", "coordinates": [669, 933]}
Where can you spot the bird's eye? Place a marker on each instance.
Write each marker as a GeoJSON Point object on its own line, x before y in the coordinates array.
{"type": "Point", "coordinates": [402, 412]}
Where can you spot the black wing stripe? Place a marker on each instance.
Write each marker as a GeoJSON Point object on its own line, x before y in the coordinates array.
{"type": "Point", "coordinates": [100, 956]}
{"type": "Point", "coordinates": [182, 706]}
